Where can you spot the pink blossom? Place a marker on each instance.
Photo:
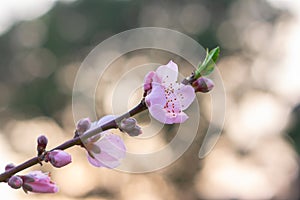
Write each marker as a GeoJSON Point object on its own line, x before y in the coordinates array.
{"type": "Point", "coordinates": [105, 149]}
{"type": "Point", "coordinates": [59, 158]}
{"type": "Point", "coordinates": [39, 182]}
{"type": "Point", "coordinates": [166, 98]}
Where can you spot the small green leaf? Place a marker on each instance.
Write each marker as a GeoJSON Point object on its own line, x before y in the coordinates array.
{"type": "Point", "coordinates": [208, 65]}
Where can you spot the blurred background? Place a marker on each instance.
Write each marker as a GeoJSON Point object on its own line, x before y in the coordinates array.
{"type": "Point", "coordinates": [42, 44]}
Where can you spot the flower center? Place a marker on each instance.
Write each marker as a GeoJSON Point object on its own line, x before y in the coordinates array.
{"type": "Point", "coordinates": [172, 105]}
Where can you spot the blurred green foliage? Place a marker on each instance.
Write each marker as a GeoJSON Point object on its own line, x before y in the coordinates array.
{"type": "Point", "coordinates": [66, 34]}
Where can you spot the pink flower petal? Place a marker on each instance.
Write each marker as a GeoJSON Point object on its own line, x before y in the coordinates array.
{"type": "Point", "coordinates": [38, 182]}
{"type": "Point", "coordinates": [178, 118]}
{"type": "Point", "coordinates": [148, 80]}
{"type": "Point", "coordinates": [158, 113]}
{"type": "Point", "coordinates": [94, 161]}
{"type": "Point", "coordinates": [161, 115]}
{"type": "Point", "coordinates": [112, 144]}
{"type": "Point", "coordinates": [156, 96]}
{"type": "Point", "coordinates": [112, 150]}
{"type": "Point", "coordinates": [106, 160]}
{"type": "Point", "coordinates": [168, 73]}
{"type": "Point", "coordinates": [173, 66]}
{"type": "Point", "coordinates": [186, 95]}
{"type": "Point", "coordinates": [108, 164]}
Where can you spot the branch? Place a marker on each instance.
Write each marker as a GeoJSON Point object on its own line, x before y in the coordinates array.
{"type": "Point", "coordinates": [75, 141]}
{"type": "Point", "coordinates": [196, 79]}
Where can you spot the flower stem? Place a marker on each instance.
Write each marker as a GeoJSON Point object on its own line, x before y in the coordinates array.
{"type": "Point", "coordinates": [189, 80]}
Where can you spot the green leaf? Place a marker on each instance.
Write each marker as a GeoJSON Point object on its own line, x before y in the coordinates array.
{"type": "Point", "coordinates": [208, 65]}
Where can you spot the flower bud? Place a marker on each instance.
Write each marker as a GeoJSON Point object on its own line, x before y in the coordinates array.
{"type": "Point", "coordinates": [130, 126]}
{"type": "Point", "coordinates": [203, 84]}
{"type": "Point", "coordinates": [15, 182]}
{"type": "Point", "coordinates": [83, 125]}
{"type": "Point", "coordinates": [135, 132]}
{"type": "Point", "coordinates": [127, 124]}
{"type": "Point", "coordinates": [9, 166]}
{"type": "Point", "coordinates": [42, 142]}
{"type": "Point", "coordinates": [58, 158]}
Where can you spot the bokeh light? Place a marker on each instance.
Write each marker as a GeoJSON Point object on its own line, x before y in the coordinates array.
{"type": "Point", "coordinates": [43, 43]}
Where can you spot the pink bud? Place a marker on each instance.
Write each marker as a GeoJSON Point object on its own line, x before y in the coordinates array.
{"type": "Point", "coordinates": [203, 84]}
{"type": "Point", "coordinates": [130, 126]}
{"type": "Point", "coordinates": [42, 142]}
{"type": "Point", "coordinates": [15, 182]}
{"type": "Point", "coordinates": [83, 125]}
{"type": "Point", "coordinates": [38, 182]}
{"type": "Point", "coordinates": [58, 158]}
{"type": "Point", "coordinates": [9, 166]}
